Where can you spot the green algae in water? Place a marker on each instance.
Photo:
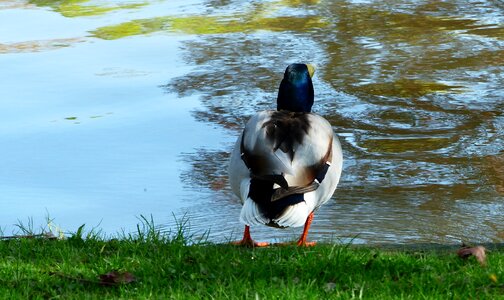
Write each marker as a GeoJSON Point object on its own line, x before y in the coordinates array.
{"type": "Point", "coordinates": [407, 88]}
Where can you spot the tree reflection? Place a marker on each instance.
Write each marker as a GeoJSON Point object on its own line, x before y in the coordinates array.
{"type": "Point", "coordinates": [412, 90]}
{"type": "Point", "coordinates": [81, 8]}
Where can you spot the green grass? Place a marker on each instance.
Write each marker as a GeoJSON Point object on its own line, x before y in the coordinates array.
{"type": "Point", "coordinates": [175, 266]}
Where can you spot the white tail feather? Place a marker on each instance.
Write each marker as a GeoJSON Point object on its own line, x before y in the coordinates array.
{"type": "Point", "coordinates": [293, 216]}
{"type": "Point", "coordinates": [250, 214]}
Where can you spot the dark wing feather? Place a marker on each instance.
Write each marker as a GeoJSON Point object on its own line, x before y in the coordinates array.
{"type": "Point", "coordinates": [316, 172]}
{"type": "Point", "coordinates": [286, 129]}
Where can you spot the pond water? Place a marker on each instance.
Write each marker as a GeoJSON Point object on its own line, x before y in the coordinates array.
{"type": "Point", "coordinates": [110, 110]}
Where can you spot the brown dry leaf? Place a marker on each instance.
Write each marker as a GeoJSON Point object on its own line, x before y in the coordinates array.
{"type": "Point", "coordinates": [478, 252]}
{"type": "Point", "coordinates": [116, 278]}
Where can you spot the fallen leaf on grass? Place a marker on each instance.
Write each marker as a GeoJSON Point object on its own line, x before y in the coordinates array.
{"type": "Point", "coordinates": [478, 252]}
{"type": "Point", "coordinates": [116, 278]}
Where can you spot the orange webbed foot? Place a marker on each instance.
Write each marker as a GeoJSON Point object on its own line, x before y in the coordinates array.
{"type": "Point", "coordinates": [302, 240]}
{"type": "Point", "coordinates": [250, 243]}
{"type": "Point", "coordinates": [247, 240]}
{"type": "Point", "coordinates": [306, 244]}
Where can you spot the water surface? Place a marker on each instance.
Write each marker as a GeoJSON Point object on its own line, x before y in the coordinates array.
{"type": "Point", "coordinates": [115, 109]}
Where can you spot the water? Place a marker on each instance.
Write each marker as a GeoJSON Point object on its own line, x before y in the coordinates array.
{"type": "Point", "coordinates": [114, 109]}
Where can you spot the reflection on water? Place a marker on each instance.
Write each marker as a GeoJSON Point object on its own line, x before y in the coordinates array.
{"type": "Point", "coordinates": [414, 94]}
{"type": "Point", "coordinates": [36, 46]}
{"type": "Point", "coordinates": [207, 25]}
{"type": "Point", "coordinates": [414, 89]}
{"type": "Point", "coordinates": [82, 8]}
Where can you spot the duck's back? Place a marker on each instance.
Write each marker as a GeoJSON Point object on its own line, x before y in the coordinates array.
{"type": "Point", "coordinates": [284, 159]}
{"type": "Point", "coordinates": [285, 143]}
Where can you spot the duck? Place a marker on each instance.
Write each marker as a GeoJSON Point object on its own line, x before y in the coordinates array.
{"type": "Point", "coordinates": [287, 162]}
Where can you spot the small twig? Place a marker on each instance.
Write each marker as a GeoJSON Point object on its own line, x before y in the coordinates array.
{"type": "Point", "coordinates": [48, 236]}
{"type": "Point", "coordinates": [113, 278]}
{"type": "Point", "coordinates": [81, 280]}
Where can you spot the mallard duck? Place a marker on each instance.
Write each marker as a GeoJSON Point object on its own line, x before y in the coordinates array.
{"type": "Point", "coordinates": [287, 162]}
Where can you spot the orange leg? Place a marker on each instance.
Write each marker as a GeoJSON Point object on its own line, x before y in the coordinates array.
{"type": "Point", "coordinates": [302, 240]}
{"type": "Point", "coordinates": [247, 240]}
